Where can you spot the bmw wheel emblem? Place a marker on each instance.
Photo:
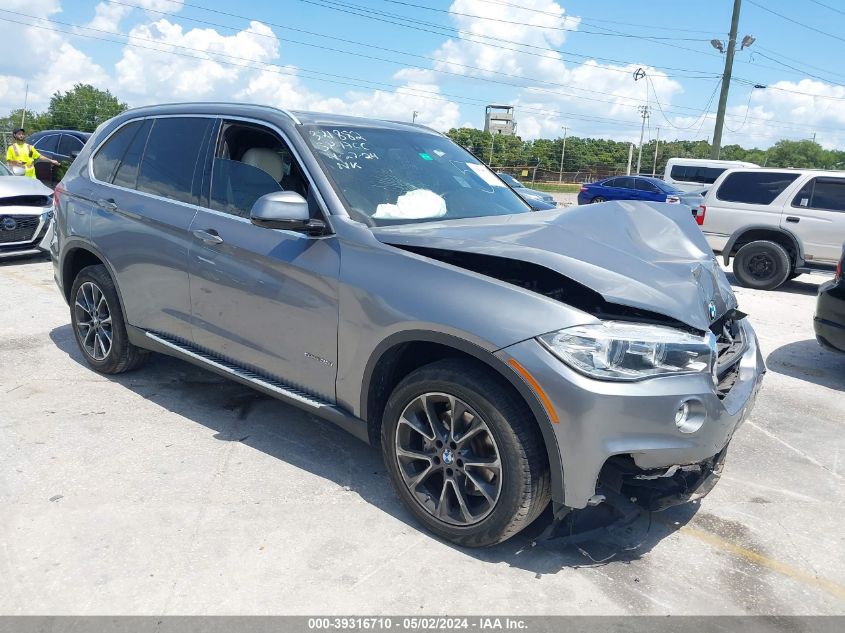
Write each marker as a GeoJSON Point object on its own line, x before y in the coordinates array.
{"type": "Point", "coordinates": [448, 456]}
{"type": "Point", "coordinates": [712, 310]}
{"type": "Point", "coordinates": [9, 224]}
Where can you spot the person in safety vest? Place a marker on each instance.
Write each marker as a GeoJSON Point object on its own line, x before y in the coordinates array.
{"type": "Point", "coordinates": [22, 154]}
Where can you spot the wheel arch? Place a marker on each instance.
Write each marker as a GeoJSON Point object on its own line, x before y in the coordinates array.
{"type": "Point", "coordinates": [776, 234]}
{"type": "Point", "coordinates": [399, 354]}
{"type": "Point", "coordinates": [78, 256]}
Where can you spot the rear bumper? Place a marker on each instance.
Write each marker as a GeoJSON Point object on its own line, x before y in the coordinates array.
{"type": "Point", "coordinates": [599, 420]}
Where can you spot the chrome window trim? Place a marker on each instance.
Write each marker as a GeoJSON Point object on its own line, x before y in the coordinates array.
{"type": "Point", "coordinates": [197, 207]}
{"type": "Point", "coordinates": [291, 147]}
{"type": "Point", "coordinates": [127, 189]}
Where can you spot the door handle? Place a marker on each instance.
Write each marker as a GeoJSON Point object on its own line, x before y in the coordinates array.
{"type": "Point", "coordinates": [793, 219]}
{"type": "Point", "coordinates": [107, 204]}
{"type": "Point", "coordinates": [209, 236]}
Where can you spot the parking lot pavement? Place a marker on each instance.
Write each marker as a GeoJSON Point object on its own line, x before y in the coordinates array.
{"type": "Point", "coordinates": [171, 491]}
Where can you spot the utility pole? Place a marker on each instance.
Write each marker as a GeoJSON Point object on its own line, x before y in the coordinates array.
{"type": "Point", "coordinates": [656, 145]}
{"type": "Point", "coordinates": [562, 152]}
{"type": "Point", "coordinates": [716, 147]}
{"type": "Point", "coordinates": [630, 157]}
{"type": "Point", "coordinates": [23, 112]}
{"type": "Point", "coordinates": [644, 112]}
{"type": "Point", "coordinates": [492, 139]}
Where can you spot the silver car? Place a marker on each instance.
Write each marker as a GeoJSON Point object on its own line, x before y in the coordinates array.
{"type": "Point", "coordinates": [26, 208]}
{"type": "Point", "coordinates": [377, 275]}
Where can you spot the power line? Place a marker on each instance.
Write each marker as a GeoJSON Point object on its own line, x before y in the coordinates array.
{"type": "Point", "coordinates": [592, 19]}
{"type": "Point", "coordinates": [540, 26]}
{"type": "Point", "coordinates": [798, 61]}
{"type": "Point", "coordinates": [827, 6]}
{"type": "Point", "coordinates": [315, 75]}
{"type": "Point", "coordinates": [804, 72]}
{"type": "Point", "coordinates": [350, 9]}
{"type": "Point", "coordinates": [788, 19]}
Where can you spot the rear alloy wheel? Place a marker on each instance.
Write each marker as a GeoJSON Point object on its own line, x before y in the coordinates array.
{"type": "Point", "coordinates": [762, 265]}
{"type": "Point", "coordinates": [98, 324]}
{"type": "Point", "coordinates": [597, 199]}
{"type": "Point", "coordinates": [464, 453]}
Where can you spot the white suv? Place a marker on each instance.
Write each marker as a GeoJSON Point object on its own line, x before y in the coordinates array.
{"type": "Point", "coordinates": [775, 223]}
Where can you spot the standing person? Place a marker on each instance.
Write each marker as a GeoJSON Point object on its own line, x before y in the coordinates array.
{"type": "Point", "coordinates": [22, 154]}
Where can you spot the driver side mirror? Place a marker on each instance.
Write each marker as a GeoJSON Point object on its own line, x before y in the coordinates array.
{"type": "Point", "coordinates": [285, 210]}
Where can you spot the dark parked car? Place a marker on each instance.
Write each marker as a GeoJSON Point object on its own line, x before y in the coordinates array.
{"type": "Point", "coordinates": [60, 145]}
{"type": "Point", "coordinates": [378, 275]}
{"type": "Point", "coordinates": [644, 188]}
{"type": "Point", "coordinates": [529, 195]}
{"type": "Point", "coordinates": [829, 321]}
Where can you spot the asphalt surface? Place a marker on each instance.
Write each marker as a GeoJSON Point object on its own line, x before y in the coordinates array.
{"type": "Point", "coordinates": [172, 491]}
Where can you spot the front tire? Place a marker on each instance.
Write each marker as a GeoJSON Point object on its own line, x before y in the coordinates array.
{"type": "Point", "coordinates": [98, 323]}
{"type": "Point", "coordinates": [762, 265]}
{"type": "Point", "coordinates": [464, 453]}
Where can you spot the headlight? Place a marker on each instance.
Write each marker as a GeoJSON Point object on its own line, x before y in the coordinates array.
{"type": "Point", "coordinates": [615, 350]}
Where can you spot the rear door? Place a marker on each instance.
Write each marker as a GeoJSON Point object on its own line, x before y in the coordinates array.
{"type": "Point", "coordinates": [744, 198]}
{"type": "Point", "coordinates": [649, 191]}
{"type": "Point", "coordinates": [623, 188]}
{"type": "Point", "coordinates": [816, 214]}
{"type": "Point", "coordinates": [266, 299]}
{"type": "Point", "coordinates": [147, 178]}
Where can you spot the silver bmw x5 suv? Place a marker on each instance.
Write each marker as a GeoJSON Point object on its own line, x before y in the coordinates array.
{"type": "Point", "coordinates": [377, 275]}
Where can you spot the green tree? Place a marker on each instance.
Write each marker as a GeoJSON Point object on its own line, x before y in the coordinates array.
{"type": "Point", "coordinates": [33, 122]}
{"type": "Point", "coordinates": [83, 108]}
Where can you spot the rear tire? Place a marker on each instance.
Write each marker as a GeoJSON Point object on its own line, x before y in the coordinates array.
{"type": "Point", "coordinates": [762, 265]}
{"type": "Point", "coordinates": [98, 325]}
{"type": "Point", "coordinates": [597, 199]}
{"type": "Point", "coordinates": [477, 478]}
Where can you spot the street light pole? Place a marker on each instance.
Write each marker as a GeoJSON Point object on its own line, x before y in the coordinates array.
{"type": "Point", "coordinates": [562, 152]}
{"type": "Point", "coordinates": [644, 111]}
{"type": "Point", "coordinates": [716, 147]}
{"type": "Point", "coordinates": [656, 146]}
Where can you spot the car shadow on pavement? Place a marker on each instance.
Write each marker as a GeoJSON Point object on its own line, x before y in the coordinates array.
{"type": "Point", "coordinates": [809, 361]}
{"type": "Point", "coordinates": [796, 286]}
{"type": "Point", "coordinates": [239, 414]}
{"type": "Point", "coordinates": [8, 262]}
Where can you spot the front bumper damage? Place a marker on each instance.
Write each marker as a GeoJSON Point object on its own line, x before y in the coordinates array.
{"type": "Point", "coordinates": [618, 441]}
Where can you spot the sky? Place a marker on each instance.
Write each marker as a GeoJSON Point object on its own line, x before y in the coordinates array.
{"type": "Point", "coordinates": [562, 64]}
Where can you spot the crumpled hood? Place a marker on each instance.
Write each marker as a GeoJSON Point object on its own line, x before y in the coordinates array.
{"type": "Point", "coordinates": [644, 255]}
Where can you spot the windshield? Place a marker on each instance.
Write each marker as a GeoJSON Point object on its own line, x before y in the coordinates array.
{"type": "Point", "coordinates": [4, 171]}
{"type": "Point", "coordinates": [389, 177]}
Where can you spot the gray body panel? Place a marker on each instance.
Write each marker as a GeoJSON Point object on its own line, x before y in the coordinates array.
{"type": "Point", "coordinates": [316, 313]}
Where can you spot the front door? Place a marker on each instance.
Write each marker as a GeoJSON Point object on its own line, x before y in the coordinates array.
{"type": "Point", "coordinates": [265, 299]}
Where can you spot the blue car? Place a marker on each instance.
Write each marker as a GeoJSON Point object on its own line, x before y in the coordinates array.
{"type": "Point", "coordinates": [629, 188]}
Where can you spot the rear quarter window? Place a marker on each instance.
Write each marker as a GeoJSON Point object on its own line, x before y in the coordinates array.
{"type": "Point", "coordinates": [757, 187]}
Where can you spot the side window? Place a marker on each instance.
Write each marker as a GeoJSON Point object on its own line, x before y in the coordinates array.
{"type": "Point", "coordinates": [69, 144]}
{"type": "Point", "coordinates": [708, 175]}
{"type": "Point", "coordinates": [626, 182]}
{"type": "Point", "coordinates": [822, 193]}
{"type": "Point", "coordinates": [679, 173]}
{"type": "Point", "coordinates": [172, 158]}
{"type": "Point", "coordinates": [645, 185]}
{"type": "Point", "coordinates": [110, 154]}
{"type": "Point", "coordinates": [250, 162]}
{"type": "Point", "coordinates": [127, 172]}
{"type": "Point", "coordinates": [47, 143]}
{"type": "Point", "coordinates": [610, 183]}
{"type": "Point", "coordinates": [754, 187]}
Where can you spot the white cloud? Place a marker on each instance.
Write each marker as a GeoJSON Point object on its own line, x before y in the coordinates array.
{"type": "Point", "coordinates": [108, 16]}
{"type": "Point", "coordinates": [39, 57]}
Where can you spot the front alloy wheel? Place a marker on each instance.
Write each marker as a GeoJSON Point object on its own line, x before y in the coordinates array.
{"type": "Point", "coordinates": [93, 321]}
{"type": "Point", "coordinates": [448, 459]}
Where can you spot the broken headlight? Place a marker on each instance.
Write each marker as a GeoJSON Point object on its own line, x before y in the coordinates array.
{"type": "Point", "coordinates": [615, 350]}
